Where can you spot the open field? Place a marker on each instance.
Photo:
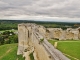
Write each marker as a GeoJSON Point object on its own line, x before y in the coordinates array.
{"type": "Point", "coordinates": [70, 48]}
{"type": "Point", "coordinates": [9, 52]}
{"type": "Point", "coordinates": [8, 30]}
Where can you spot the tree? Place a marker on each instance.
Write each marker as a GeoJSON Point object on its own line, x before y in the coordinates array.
{"type": "Point", "coordinates": [13, 39]}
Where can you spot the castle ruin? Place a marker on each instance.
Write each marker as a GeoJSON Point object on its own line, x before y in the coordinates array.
{"type": "Point", "coordinates": [32, 38]}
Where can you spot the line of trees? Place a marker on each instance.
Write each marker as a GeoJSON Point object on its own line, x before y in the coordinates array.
{"type": "Point", "coordinates": [12, 24]}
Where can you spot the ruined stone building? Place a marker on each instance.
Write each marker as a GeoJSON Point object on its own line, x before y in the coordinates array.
{"type": "Point", "coordinates": [33, 39]}
{"type": "Point", "coordinates": [69, 34]}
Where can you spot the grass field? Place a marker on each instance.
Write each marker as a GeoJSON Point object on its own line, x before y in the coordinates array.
{"type": "Point", "coordinates": [70, 48]}
{"type": "Point", "coordinates": [9, 52]}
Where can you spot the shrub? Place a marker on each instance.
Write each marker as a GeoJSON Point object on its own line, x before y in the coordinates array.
{"type": "Point", "coordinates": [41, 40]}
{"type": "Point", "coordinates": [31, 56]}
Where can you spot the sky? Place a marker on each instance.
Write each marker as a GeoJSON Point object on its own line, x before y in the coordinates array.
{"type": "Point", "coordinates": [42, 10]}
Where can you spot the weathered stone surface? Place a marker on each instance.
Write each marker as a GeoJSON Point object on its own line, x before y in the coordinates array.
{"type": "Point", "coordinates": [33, 39]}
{"type": "Point", "coordinates": [69, 34]}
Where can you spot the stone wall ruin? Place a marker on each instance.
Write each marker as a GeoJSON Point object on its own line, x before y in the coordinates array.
{"type": "Point", "coordinates": [69, 34]}
{"type": "Point", "coordinates": [33, 39]}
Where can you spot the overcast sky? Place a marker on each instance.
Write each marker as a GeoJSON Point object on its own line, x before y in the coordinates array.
{"type": "Point", "coordinates": [54, 10]}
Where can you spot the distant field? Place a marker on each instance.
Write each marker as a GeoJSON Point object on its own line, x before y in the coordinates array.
{"type": "Point", "coordinates": [8, 30]}
{"type": "Point", "coordinates": [70, 48]}
{"type": "Point", "coordinates": [9, 52]}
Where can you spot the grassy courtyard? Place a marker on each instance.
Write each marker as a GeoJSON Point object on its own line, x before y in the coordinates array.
{"type": "Point", "coordinates": [70, 48]}
{"type": "Point", "coordinates": [9, 52]}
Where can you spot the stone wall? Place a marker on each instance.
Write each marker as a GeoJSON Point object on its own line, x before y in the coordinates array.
{"type": "Point", "coordinates": [30, 36]}
{"type": "Point", "coordinates": [69, 34]}
{"type": "Point", "coordinates": [29, 43]}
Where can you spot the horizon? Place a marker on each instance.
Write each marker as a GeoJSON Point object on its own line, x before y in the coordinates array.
{"type": "Point", "coordinates": [39, 21]}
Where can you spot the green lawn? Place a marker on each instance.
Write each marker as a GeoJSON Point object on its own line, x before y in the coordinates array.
{"type": "Point", "coordinates": [71, 48]}
{"type": "Point", "coordinates": [9, 52]}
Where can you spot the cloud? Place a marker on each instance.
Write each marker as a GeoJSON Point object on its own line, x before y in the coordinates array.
{"type": "Point", "coordinates": [48, 8]}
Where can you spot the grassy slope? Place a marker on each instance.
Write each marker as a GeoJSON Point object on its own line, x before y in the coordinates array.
{"type": "Point", "coordinates": [8, 52]}
{"type": "Point", "coordinates": [71, 48]}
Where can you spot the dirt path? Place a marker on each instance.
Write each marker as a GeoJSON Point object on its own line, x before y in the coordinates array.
{"type": "Point", "coordinates": [5, 53]}
{"type": "Point", "coordinates": [17, 59]}
{"type": "Point", "coordinates": [71, 56]}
